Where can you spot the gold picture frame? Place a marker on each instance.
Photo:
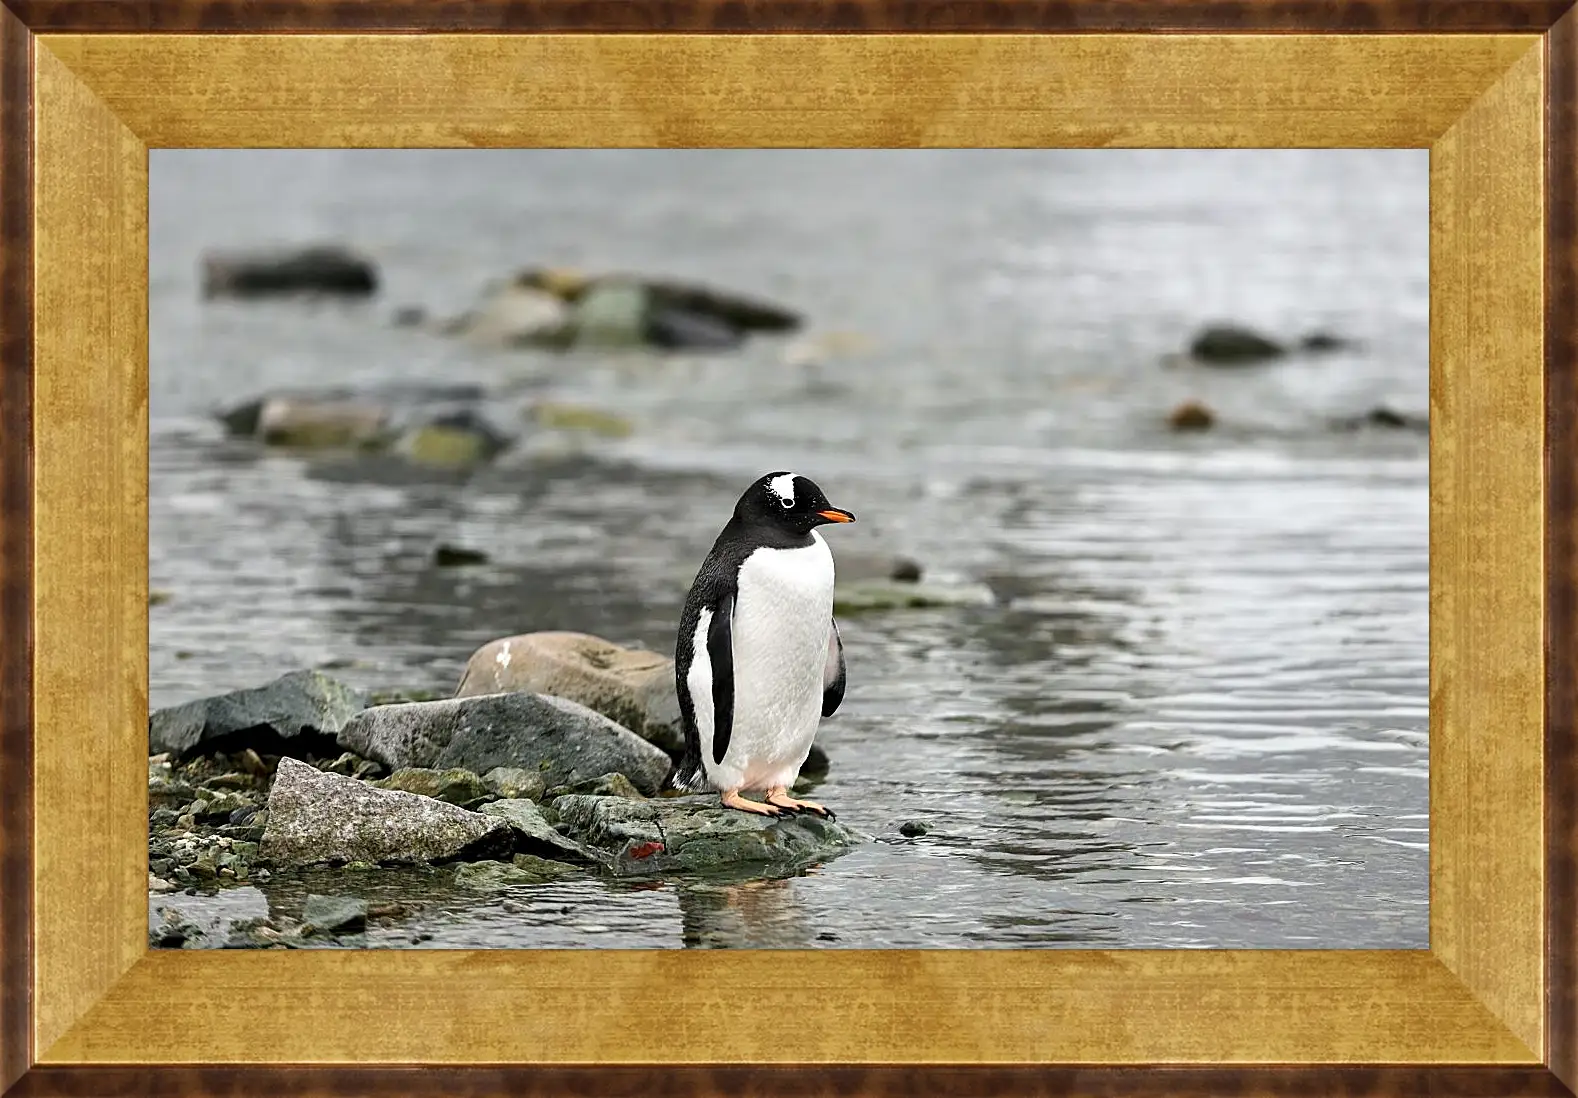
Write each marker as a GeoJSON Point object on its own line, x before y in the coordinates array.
{"type": "Point", "coordinates": [87, 88]}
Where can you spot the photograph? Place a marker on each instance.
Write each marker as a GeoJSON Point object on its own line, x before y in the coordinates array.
{"type": "Point", "coordinates": [788, 549]}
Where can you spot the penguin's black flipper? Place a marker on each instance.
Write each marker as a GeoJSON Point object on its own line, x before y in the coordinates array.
{"type": "Point", "coordinates": [833, 673]}
{"type": "Point", "coordinates": [720, 654]}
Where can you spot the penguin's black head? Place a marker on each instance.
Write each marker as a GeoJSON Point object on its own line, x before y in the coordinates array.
{"type": "Point", "coordinates": [784, 501]}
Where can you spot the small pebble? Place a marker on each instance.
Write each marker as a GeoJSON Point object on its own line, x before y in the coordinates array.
{"type": "Point", "coordinates": [913, 828]}
{"type": "Point", "coordinates": [826, 936]}
{"type": "Point", "coordinates": [1191, 416]}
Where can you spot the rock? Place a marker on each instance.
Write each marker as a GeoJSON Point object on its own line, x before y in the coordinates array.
{"type": "Point", "coordinates": [408, 316]}
{"type": "Point", "coordinates": [913, 828]}
{"type": "Point", "coordinates": [220, 804]}
{"type": "Point", "coordinates": [1386, 419]}
{"type": "Point", "coordinates": [574, 417]}
{"type": "Point", "coordinates": [453, 786]}
{"type": "Point", "coordinates": [610, 315]}
{"type": "Point", "coordinates": [563, 741]}
{"type": "Point", "coordinates": [1191, 415]}
{"type": "Point", "coordinates": [374, 403]}
{"type": "Point", "coordinates": [816, 763]}
{"type": "Point", "coordinates": [1325, 342]}
{"type": "Point", "coordinates": [345, 764]}
{"type": "Point", "coordinates": [173, 931]}
{"type": "Point", "coordinates": [697, 834]}
{"type": "Point", "coordinates": [544, 868]}
{"type": "Point", "coordinates": [676, 329]}
{"type": "Point", "coordinates": [524, 870]}
{"type": "Point", "coordinates": [230, 781]}
{"type": "Point", "coordinates": [626, 310]}
{"type": "Point", "coordinates": [455, 556]}
{"type": "Point", "coordinates": [158, 598]}
{"type": "Point", "coordinates": [513, 314]}
{"type": "Point", "coordinates": [608, 785]}
{"type": "Point", "coordinates": [744, 313]}
{"type": "Point", "coordinates": [322, 424]}
{"type": "Point", "coordinates": [335, 913]}
{"type": "Point", "coordinates": [157, 885]}
{"type": "Point", "coordinates": [1225, 344]}
{"type": "Point", "coordinates": [297, 711]}
{"type": "Point", "coordinates": [630, 686]}
{"type": "Point", "coordinates": [315, 269]}
{"type": "Point", "coordinates": [534, 835]}
{"type": "Point", "coordinates": [513, 783]}
{"type": "Point", "coordinates": [453, 439]}
{"type": "Point", "coordinates": [253, 764]}
{"type": "Point", "coordinates": [856, 598]}
{"type": "Point", "coordinates": [319, 817]}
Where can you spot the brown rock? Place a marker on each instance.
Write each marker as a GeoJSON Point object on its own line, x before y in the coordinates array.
{"type": "Point", "coordinates": [629, 686]}
{"type": "Point", "coordinates": [1191, 415]}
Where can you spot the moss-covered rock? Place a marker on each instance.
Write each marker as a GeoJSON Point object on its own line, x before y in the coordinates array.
{"type": "Point", "coordinates": [698, 834]}
{"type": "Point", "coordinates": [452, 786]}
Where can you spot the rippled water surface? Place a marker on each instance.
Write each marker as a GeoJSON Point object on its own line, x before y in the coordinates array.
{"type": "Point", "coordinates": [1196, 714]}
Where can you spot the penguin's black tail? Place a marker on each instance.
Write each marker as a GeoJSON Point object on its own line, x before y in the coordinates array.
{"type": "Point", "coordinates": [689, 775]}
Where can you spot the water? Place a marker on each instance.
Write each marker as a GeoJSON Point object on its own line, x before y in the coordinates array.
{"type": "Point", "coordinates": [1197, 714]}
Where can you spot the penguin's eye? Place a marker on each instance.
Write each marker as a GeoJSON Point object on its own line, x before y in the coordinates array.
{"type": "Point", "coordinates": [788, 504]}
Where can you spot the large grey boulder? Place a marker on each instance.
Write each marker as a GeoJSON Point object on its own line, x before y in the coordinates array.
{"type": "Point", "coordinates": [629, 686]}
{"type": "Point", "coordinates": [698, 834]}
{"type": "Point", "coordinates": [302, 708]}
{"type": "Point", "coordinates": [315, 816]}
{"type": "Point", "coordinates": [561, 740]}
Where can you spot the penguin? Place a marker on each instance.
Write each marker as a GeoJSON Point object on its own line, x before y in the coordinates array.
{"type": "Point", "coordinates": [759, 662]}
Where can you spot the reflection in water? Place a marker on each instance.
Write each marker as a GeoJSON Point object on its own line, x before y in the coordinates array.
{"type": "Point", "coordinates": [762, 912]}
{"type": "Point", "coordinates": [1195, 714]}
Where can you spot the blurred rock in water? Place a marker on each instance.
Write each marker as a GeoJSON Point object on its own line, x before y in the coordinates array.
{"type": "Point", "coordinates": [1191, 415]}
{"type": "Point", "coordinates": [1320, 342]}
{"type": "Point", "coordinates": [313, 269]}
{"type": "Point", "coordinates": [575, 417]}
{"type": "Point", "coordinates": [1226, 344]}
{"type": "Point", "coordinates": [558, 309]}
{"type": "Point", "coordinates": [433, 425]}
{"type": "Point", "coordinates": [1384, 418]}
{"type": "Point", "coordinates": [630, 686]}
{"type": "Point", "coordinates": [457, 556]}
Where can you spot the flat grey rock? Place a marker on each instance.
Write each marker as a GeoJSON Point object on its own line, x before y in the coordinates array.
{"type": "Point", "coordinates": [315, 816]}
{"type": "Point", "coordinates": [698, 834]}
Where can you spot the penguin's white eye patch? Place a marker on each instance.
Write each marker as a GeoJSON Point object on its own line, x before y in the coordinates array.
{"type": "Point", "coordinates": [783, 488]}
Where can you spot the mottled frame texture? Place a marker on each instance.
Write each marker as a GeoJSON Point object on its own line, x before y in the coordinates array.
{"type": "Point", "coordinates": [77, 114]}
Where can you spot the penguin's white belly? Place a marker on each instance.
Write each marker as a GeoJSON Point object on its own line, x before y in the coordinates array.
{"type": "Point", "coordinates": [783, 616]}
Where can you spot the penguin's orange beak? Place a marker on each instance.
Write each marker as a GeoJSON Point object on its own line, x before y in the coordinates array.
{"type": "Point", "coordinates": [833, 514]}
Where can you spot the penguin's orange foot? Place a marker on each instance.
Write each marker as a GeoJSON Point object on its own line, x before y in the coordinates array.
{"type": "Point", "coordinates": [780, 798]}
{"type": "Point", "coordinates": [732, 799]}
